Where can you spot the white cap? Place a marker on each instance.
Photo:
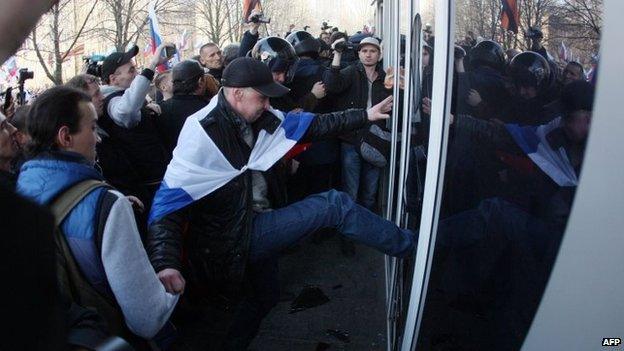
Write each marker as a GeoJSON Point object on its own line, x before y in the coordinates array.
{"type": "Point", "coordinates": [369, 41]}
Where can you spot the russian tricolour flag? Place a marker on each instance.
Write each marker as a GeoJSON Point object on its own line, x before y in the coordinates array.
{"type": "Point", "coordinates": [198, 167]}
{"type": "Point", "coordinates": [534, 143]}
{"type": "Point", "coordinates": [155, 39]}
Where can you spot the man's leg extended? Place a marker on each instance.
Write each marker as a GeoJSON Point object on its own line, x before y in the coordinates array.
{"type": "Point", "coordinates": [276, 230]}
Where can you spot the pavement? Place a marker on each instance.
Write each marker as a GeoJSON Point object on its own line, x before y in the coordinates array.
{"type": "Point", "coordinates": [355, 312]}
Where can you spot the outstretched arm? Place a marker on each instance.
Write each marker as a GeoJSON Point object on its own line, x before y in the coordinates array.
{"type": "Point", "coordinates": [336, 123]}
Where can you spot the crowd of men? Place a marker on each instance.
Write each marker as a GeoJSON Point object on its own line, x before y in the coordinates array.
{"type": "Point", "coordinates": [197, 177]}
{"type": "Point", "coordinates": [519, 126]}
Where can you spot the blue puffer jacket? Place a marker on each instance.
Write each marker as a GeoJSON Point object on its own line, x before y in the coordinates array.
{"type": "Point", "coordinates": [45, 178]}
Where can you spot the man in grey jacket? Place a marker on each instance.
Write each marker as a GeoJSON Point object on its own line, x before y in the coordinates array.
{"type": "Point", "coordinates": [130, 122]}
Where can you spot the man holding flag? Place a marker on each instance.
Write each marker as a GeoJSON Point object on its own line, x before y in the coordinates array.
{"type": "Point", "coordinates": [155, 38]}
{"type": "Point", "coordinates": [129, 124]}
{"type": "Point", "coordinates": [223, 194]}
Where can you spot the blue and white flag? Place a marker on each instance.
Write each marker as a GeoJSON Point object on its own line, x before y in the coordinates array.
{"type": "Point", "coordinates": [198, 167]}
{"type": "Point", "coordinates": [554, 162]}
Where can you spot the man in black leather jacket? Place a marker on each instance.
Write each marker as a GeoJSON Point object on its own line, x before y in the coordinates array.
{"type": "Point", "coordinates": [235, 233]}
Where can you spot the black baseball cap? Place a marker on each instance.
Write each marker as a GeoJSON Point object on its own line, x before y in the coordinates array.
{"type": "Point", "coordinates": [186, 70]}
{"type": "Point", "coordinates": [245, 72]}
{"type": "Point", "coordinates": [116, 60]}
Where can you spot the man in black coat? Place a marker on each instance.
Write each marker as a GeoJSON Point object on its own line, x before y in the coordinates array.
{"type": "Point", "coordinates": [319, 168]}
{"type": "Point", "coordinates": [358, 86]}
{"type": "Point", "coordinates": [239, 228]}
{"type": "Point", "coordinates": [188, 97]}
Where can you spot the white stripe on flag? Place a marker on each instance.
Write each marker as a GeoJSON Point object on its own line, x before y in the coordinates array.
{"type": "Point", "coordinates": [198, 167]}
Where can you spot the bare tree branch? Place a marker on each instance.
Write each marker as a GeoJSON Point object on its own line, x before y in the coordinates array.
{"type": "Point", "coordinates": [82, 27]}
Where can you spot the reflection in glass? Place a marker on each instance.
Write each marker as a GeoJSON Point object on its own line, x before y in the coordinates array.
{"type": "Point", "coordinates": [521, 111]}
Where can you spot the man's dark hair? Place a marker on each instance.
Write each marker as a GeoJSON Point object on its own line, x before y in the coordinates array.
{"type": "Point", "coordinates": [577, 95]}
{"type": "Point", "coordinates": [230, 52]}
{"type": "Point", "coordinates": [160, 77]}
{"type": "Point", "coordinates": [55, 108]}
{"type": "Point", "coordinates": [186, 87]}
{"type": "Point", "coordinates": [81, 81]}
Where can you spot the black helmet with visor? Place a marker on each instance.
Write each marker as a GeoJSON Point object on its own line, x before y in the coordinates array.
{"type": "Point", "coordinates": [278, 54]}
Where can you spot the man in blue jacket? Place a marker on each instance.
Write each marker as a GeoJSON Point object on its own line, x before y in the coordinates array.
{"type": "Point", "coordinates": [62, 123]}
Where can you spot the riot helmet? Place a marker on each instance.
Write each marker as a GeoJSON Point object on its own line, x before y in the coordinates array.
{"type": "Point", "coordinates": [488, 53]}
{"type": "Point", "coordinates": [278, 54]}
{"type": "Point", "coordinates": [530, 69]}
{"type": "Point", "coordinates": [304, 43]}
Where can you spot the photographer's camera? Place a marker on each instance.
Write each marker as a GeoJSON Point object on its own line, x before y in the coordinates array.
{"type": "Point", "coordinates": [259, 18]}
{"type": "Point", "coordinates": [25, 74]}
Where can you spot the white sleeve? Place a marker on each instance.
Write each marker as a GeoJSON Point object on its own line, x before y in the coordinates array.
{"type": "Point", "coordinates": [125, 110]}
{"type": "Point", "coordinates": [144, 302]}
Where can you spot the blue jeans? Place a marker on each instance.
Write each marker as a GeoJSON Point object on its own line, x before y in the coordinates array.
{"type": "Point", "coordinates": [359, 177]}
{"type": "Point", "coordinates": [276, 230]}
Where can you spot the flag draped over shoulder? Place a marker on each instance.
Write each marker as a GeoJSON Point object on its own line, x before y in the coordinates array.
{"type": "Point", "coordinates": [554, 162]}
{"type": "Point", "coordinates": [510, 17]}
{"type": "Point", "coordinates": [199, 168]}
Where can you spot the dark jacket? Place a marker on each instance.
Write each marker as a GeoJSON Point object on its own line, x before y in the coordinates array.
{"type": "Point", "coordinates": [31, 302]}
{"type": "Point", "coordinates": [141, 144]}
{"type": "Point", "coordinates": [173, 115]}
{"type": "Point", "coordinates": [533, 111]}
{"type": "Point", "coordinates": [308, 73]}
{"type": "Point", "coordinates": [247, 43]}
{"type": "Point", "coordinates": [523, 183]}
{"type": "Point", "coordinates": [490, 84]}
{"type": "Point", "coordinates": [350, 87]}
{"type": "Point", "coordinates": [219, 225]}
{"type": "Point", "coordinates": [117, 168]}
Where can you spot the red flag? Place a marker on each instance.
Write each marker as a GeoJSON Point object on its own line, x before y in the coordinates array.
{"type": "Point", "coordinates": [510, 17]}
{"type": "Point", "coordinates": [248, 6]}
{"type": "Point", "coordinates": [77, 50]}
